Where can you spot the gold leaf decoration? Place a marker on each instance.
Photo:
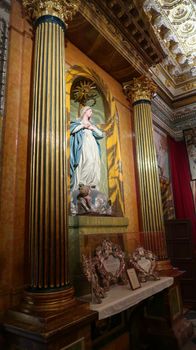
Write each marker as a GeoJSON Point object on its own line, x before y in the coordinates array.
{"type": "Point", "coordinates": [64, 9]}
{"type": "Point", "coordinates": [85, 91]}
{"type": "Point", "coordinates": [140, 88]}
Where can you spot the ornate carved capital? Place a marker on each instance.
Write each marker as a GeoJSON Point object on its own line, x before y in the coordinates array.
{"type": "Point", "coordinates": [141, 88]}
{"type": "Point", "coordinates": [64, 9]}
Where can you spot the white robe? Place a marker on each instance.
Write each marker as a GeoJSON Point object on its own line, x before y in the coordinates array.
{"type": "Point", "coordinates": [88, 171]}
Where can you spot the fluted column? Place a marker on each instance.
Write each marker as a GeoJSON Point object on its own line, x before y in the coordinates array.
{"type": "Point", "coordinates": [48, 202]}
{"type": "Point", "coordinates": [140, 92]}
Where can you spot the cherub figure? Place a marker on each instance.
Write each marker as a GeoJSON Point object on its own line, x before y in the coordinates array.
{"type": "Point", "coordinates": [84, 199]}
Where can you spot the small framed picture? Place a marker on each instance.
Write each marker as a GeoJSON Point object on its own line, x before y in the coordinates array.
{"type": "Point", "coordinates": [133, 279]}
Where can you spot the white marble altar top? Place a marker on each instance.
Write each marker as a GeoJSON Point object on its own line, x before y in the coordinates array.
{"type": "Point", "coordinates": [120, 298]}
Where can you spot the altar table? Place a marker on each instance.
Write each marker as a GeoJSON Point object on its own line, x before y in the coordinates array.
{"type": "Point", "coordinates": [120, 298]}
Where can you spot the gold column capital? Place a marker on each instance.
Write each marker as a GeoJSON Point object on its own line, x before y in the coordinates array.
{"type": "Point", "coordinates": [64, 9]}
{"type": "Point", "coordinates": [141, 88]}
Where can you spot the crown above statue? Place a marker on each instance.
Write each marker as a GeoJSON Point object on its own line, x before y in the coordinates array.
{"type": "Point", "coordinates": [85, 92]}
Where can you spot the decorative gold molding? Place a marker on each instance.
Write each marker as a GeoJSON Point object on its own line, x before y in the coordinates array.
{"type": "Point", "coordinates": [47, 301]}
{"type": "Point", "coordinates": [64, 9]}
{"type": "Point", "coordinates": [141, 88]}
{"type": "Point", "coordinates": [92, 13]}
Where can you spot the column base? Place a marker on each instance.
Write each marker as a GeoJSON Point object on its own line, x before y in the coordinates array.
{"type": "Point", "coordinates": [48, 301]}
{"type": "Point", "coordinates": [46, 330]}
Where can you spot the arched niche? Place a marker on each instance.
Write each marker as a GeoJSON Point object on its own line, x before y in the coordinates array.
{"type": "Point", "coordinates": [99, 107]}
{"type": "Point", "coordinates": [105, 116]}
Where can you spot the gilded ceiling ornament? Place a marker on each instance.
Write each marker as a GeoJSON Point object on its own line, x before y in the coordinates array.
{"type": "Point", "coordinates": [174, 24]}
{"type": "Point", "coordinates": [141, 88]}
{"type": "Point", "coordinates": [169, 3]}
{"type": "Point", "coordinates": [64, 9]}
{"type": "Point", "coordinates": [188, 28]}
{"type": "Point", "coordinates": [189, 86]}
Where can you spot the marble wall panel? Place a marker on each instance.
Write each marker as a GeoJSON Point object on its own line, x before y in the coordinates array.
{"type": "Point", "coordinates": [14, 157]}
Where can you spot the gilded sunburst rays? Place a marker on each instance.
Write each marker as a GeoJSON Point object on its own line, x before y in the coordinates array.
{"type": "Point", "coordinates": [85, 91]}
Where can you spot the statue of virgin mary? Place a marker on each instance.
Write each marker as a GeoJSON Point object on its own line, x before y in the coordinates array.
{"type": "Point", "coordinates": [85, 151]}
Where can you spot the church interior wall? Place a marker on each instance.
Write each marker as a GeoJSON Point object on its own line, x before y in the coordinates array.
{"type": "Point", "coordinates": [14, 158]}
{"type": "Point", "coordinates": [13, 249]}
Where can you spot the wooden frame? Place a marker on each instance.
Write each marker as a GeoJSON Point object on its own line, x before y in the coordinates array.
{"type": "Point", "coordinates": [133, 279]}
{"type": "Point", "coordinates": [190, 140]}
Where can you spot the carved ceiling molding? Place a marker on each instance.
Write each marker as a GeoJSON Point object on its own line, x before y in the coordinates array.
{"type": "Point", "coordinates": [168, 85]}
{"type": "Point", "coordinates": [164, 126]}
{"type": "Point", "coordinates": [132, 22]}
{"type": "Point", "coordinates": [163, 115]}
{"type": "Point", "coordinates": [119, 26]}
{"type": "Point", "coordinates": [185, 112]}
{"type": "Point", "coordinates": [174, 121]}
{"type": "Point", "coordinates": [111, 33]}
{"type": "Point", "coordinates": [174, 24]}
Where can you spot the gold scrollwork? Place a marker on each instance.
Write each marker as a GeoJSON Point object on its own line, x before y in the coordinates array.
{"type": "Point", "coordinates": [64, 9]}
{"type": "Point", "coordinates": [141, 88]}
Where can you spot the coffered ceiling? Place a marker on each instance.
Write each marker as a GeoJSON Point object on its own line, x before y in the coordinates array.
{"type": "Point", "coordinates": [128, 38]}
{"type": "Point", "coordinates": [101, 34]}
{"type": "Point", "coordinates": [157, 37]}
{"type": "Point", "coordinates": [174, 24]}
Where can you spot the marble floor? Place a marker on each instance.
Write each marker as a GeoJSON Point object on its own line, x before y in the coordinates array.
{"type": "Point", "coordinates": [191, 344]}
